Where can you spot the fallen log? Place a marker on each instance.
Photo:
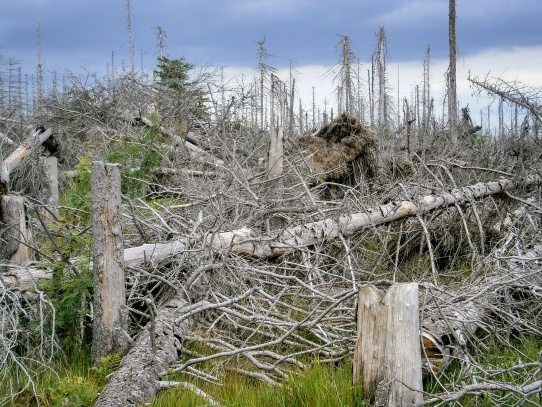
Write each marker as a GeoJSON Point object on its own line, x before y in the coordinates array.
{"type": "Point", "coordinates": [182, 171]}
{"type": "Point", "coordinates": [152, 254]}
{"type": "Point", "coordinates": [246, 242]}
{"type": "Point", "coordinates": [137, 379]}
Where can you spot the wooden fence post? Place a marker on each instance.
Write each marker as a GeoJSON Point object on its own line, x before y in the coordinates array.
{"type": "Point", "coordinates": [110, 316]}
{"type": "Point", "coordinates": [387, 357]}
{"type": "Point", "coordinates": [16, 237]}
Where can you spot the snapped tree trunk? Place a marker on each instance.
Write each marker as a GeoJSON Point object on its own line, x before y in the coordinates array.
{"type": "Point", "coordinates": [110, 316]}
{"type": "Point", "coordinates": [387, 354]}
{"type": "Point", "coordinates": [15, 158]}
{"type": "Point", "coordinates": [15, 235]}
{"type": "Point", "coordinates": [276, 154]}
{"type": "Point", "coordinates": [50, 166]}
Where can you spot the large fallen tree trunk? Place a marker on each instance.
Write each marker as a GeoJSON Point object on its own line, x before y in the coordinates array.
{"type": "Point", "coordinates": [137, 379]}
{"type": "Point", "coordinates": [245, 242]}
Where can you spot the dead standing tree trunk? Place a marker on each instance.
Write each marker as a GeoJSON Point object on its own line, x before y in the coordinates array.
{"type": "Point", "coordinates": [15, 236]}
{"type": "Point", "coordinates": [50, 165]}
{"type": "Point", "coordinates": [110, 320]}
{"type": "Point", "coordinates": [452, 74]}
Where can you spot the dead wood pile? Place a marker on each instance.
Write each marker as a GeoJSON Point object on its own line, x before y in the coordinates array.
{"type": "Point", "coordinates": [343, 151]}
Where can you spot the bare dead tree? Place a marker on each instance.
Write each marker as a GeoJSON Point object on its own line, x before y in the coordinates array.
{"type": "Point", "coordinates": [452, 72]}
{"type": "Point", "coordinates": [426, 98]}
{"type": "Point", "coordinates": [522, 95]}
{"type": "Point", "coordinates": [39, 70]}
{"type": "Point", "coordinates": [128, 9]}
{"type": "Point", "coordinates": [381, 57]}
{"type": "Point", "coordinates": [345, 73]}
{"type": "Point", "coordinates": [204, 266]}
{"type": "Point", "coordinates": [264, 68]}
{"type": "Point", "coordinates": [291, 117]}
{"type": "Point", "coordinates": [161, 37]}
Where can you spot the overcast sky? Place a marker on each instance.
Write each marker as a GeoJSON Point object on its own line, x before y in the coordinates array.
{"type": "Point", "coordinates": [501, 36]}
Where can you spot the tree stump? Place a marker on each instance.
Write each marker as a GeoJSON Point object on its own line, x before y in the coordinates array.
{"type": "Point", "coordinates": [15, 235]}
{"type": "Point", "coordinates": [387, 354]}
{"type": "Point", "coordinates": [110, 316]}
{"type": "Point", "coordinates": [50, 167]}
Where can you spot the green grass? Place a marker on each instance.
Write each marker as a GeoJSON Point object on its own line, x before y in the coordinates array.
{"type": "Point", "coordinates": [72, 381]}
{"type": "Point", "coordinates": [319, 385]}
{"type": "Point", "coordinates": [499, 363]}
{"type": "Point", "coordinates": [69, 381]}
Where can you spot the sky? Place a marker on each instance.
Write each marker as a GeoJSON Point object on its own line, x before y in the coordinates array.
{"type": "Point", "coordinates": [495, 37]}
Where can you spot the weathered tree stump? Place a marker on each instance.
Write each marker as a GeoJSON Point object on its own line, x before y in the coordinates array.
{"type": "Point", "coordinates": [15, 235]}
{"type": "Point", "coordinates": [387, 354]}
{"type": "Point", "coordinates": [50, 168]}
{"type": "Point", "coordinates": [110, 316]}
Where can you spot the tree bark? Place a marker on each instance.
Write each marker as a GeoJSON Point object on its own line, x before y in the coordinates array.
{"type": "Point", "coordinates": [50, 165]}
{"type": "Point", "coordinates": [15, 236]}
{"type": "Point", "coordinates": [110, 320]}
{"type": "Point", "coordinates": [276, 154]}
{"type": "Point", "coordinates": [137, 379]}
{"type": "Point", "coordinates": [387, 354]}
